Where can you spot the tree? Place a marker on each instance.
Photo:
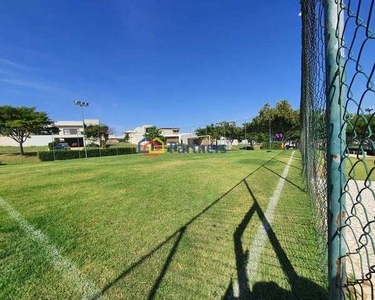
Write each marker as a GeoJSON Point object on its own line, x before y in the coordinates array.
{"type": "Point", "coordinates": [281, 119]}
{"type": "Point", "coordinates": [153, 133]}
{"type": "Point", "coordinates": [226, 129]}
{"type": "Point", "coordinates": [360, 128]}
{"type": "Point", "coordinates": [19, 123]}
{"type": "Point", "coordinates": [100, 132]}
{"type": "Point", "coordinates": [126, 137]}
{"type": "Point", "coordinates": [212, 130]}
{"type": "Point", "coordinates": [229, 130]}
{"type": "Point", "coordinates": [286, 120]}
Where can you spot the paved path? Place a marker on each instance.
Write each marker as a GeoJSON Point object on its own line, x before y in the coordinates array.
{"type": "Point", "coordinates": [360, 234]}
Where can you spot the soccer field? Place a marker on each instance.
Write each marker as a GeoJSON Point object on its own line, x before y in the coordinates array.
{"type": "Point", "coordinates": [193, 226]}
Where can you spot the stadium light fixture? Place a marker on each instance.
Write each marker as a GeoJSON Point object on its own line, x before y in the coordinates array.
{"type": "Point", "coordinates": [82, 104]}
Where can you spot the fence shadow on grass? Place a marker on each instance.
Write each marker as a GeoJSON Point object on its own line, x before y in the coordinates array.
{"type": "Point", "coordinates": [283, 162]}
{"type": "Point", "coordinates": [262, 288]}
{"type": "Point", "coordinates": [301, 288]}
{"type": "Point", "coordinates": [286, 179]}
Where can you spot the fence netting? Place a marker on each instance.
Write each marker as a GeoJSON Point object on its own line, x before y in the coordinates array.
{"type": "Point", "coordinates": [353, 25]}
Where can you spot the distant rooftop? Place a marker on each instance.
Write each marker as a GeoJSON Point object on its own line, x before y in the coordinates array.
{"type": "Point", "coordinates": [68, 123]}
{"type": "Point", "coordinates": [77, 123]}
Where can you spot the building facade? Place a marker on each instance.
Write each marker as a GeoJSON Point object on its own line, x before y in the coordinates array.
{"type": "Point", "coordinates": [70, 132]}
{"type": "Point", "coordinates": [137, 134]}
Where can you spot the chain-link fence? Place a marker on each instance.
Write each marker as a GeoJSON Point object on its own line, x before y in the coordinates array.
{"type": "Point", "coordinates": [338, 137]}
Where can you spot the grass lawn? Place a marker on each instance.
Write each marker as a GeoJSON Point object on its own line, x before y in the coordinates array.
{"type": "Point", "coordinates": [10, 155]}
{"type": "Point", "coordinates": [16, 150]}
{"type": "Point", "coordinates": [14, 158]}
{"type": "Point", "coordinates": [360, 169]}
{"type": "Point", "coordinates": [167, 227]}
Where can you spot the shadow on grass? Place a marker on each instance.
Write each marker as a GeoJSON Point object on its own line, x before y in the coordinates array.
{"type": "Point", "coordinates": [27, 154]}
{"type": "Point", "coordinates": [286, 179]}
{"type": "Point", "coordinates": [301, 287]}
{"type": "Point", "coordinates": [285, 153]}
{"type": "Point", "coordinates": [283, 162]}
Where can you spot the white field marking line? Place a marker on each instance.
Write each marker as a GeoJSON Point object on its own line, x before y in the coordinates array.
{"type": "Point", "coordinates": [257, 246]}
{"type": "Point", "coordinates": [67, 269]}
{"type": "Point", "coordinates": [260, 239]}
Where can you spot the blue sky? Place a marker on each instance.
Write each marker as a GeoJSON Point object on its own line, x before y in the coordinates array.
{"type": "Point", "coordinates": [168, 63]}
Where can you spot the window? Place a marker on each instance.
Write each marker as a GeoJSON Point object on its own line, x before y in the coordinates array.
{"type": "Point", "coordinates": [70, 131]}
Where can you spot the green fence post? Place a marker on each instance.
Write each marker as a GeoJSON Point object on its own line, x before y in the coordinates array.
{"type": "Point", "coordinates": [336, 144]}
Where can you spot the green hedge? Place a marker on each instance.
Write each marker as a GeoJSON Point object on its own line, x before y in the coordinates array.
{"type": "Point", "coordinates": [51, 145]}
{"type": "Point", "coordinates": [274, 146]}
{"type": "Point", "coordinates": [71, 154]}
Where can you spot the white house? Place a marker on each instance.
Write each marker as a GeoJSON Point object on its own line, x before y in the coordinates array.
{"type": "Point", "coordinates": [137, 134]}
{"type": "Point", "coordinates": [70, 132]}
{"type": "Point", "coordinates": [171, 134]}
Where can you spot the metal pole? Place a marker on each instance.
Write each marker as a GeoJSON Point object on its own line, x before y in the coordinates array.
{"type": "Point", "coordinates": [336, 145]}
{"type": "Point", "coordinates": [245, 131]}
{"type": "Point", "coordinates": [79, 148]}
{"type": "Point", "coordinates": [84, 132]}
{"type": "Point", "coordinates": [270, 134]}
{"type": "Point", "coordinates": [53, 147]}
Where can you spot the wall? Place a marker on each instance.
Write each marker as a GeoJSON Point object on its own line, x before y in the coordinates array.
{"type": "Point", "coordinates": [170, 131]}
{"type": "Point", "coordinates": [184, 137]}
{"type": "Point", "coordinates": [35, 140]}
{"type": "Point", "coordinates": [138, 134]}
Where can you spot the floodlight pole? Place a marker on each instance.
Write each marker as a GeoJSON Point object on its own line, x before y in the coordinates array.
{"type": "Point", "coordinates": [245, 130]}
{"type": "Point", "coordinates": [83, 104]}
{"type": "Point", "coordinates": [53, 147]}
{"type": "Point", "coordinates": [84, 132]}
{"type": "Point", "coordinates": [269, 125]}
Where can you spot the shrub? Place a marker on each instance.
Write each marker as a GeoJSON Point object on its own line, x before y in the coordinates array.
{"type": "Point", "coordinates": [274, 146]}
{"type": "Point", "coordinates": [71, 154]}
{"type": "Point", "coordinates": [51, 145]}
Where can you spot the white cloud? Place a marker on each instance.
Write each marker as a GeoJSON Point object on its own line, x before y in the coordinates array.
{"type": "Point", "coordinates": [10, 63]}
{"type": "Point", "coordinates": [29, 84]}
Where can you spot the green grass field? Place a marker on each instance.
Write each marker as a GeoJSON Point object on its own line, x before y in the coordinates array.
{"type": "Point", "coordinates": [168, 227]}
{"type": "Point", "coordinates": [16, 150]}
{"type": "Point", "coordinates": [360, 169]}
{"type": "Point", "coordinates": [10, 155]}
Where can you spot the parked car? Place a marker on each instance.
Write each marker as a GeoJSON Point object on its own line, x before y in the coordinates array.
{"type": "Point", "coordinates": [62, 146]}
{"type": "Point", "coordinates": [93, 145]}
{"type": "Point", "coordinates": [247, 148]}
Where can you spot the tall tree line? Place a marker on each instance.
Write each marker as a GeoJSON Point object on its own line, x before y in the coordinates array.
{"type": "Point", "coordinates": [282, 121]}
